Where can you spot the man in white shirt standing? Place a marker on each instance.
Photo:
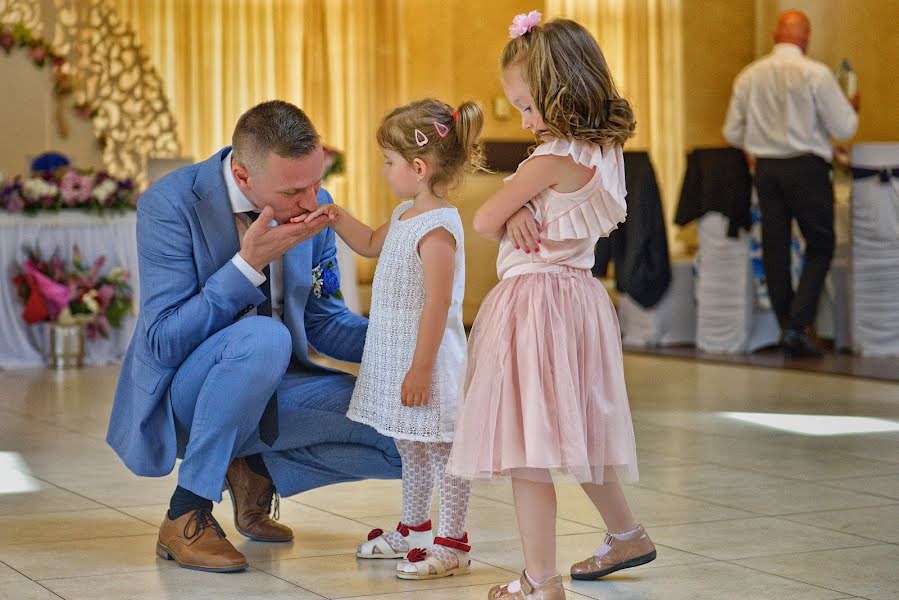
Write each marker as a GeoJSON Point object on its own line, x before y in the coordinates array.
{"type": "Point", "coordinates": [784, 110]}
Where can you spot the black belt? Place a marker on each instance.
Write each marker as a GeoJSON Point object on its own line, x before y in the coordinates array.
{"type": "Point", "coordinates": [885, 173]}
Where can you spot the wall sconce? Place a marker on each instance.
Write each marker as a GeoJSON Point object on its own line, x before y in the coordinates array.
{"type": "Point", "coordinates": [501, 108]}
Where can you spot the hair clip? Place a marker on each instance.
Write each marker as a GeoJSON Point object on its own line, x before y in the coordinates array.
{"type": "Point", "coordinates": [442, 129]}
{"type": "Point", "coordinates": [420, 138]}
{"type": "Point", "coordinates": [455, 115]}
{"type": "Point", "coordinates": [523, 24]}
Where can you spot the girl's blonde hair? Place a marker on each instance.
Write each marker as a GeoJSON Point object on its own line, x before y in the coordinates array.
{"type": "Point", "coordinates": [450, 155]}
{"type": "Point", "coordinates": [571, 84]}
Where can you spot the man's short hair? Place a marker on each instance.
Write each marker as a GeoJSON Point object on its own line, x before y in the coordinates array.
{"type": "Point", "coordinates": [273, 126]}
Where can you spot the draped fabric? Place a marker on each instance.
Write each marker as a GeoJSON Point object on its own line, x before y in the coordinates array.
{"type": "Point", "coordinates": [643, 43]}
{"type": "Point", "coordinates": [343, 61]}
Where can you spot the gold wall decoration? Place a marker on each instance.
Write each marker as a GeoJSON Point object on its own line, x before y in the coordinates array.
{"type": "Point", "coordinates": [116, 83]}
{"type": "Point", "coordinates": [26, 12]}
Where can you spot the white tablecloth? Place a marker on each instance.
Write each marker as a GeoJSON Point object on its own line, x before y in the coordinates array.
{"type": "Point", "coordinates": [23, 345]}
{"type": "Point", "coordinates": [113, 236]}
{"type": "Point", "coordinates": [671, 322]}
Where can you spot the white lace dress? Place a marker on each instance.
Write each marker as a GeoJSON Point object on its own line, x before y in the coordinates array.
{"type": "Point", "coordinates": [398, 295]}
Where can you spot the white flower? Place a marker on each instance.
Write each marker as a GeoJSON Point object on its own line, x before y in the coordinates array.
{"type": "Point", "coordinates": [317, 281]}
{"type": "Point", "coordinates": [35, 188]}
{"type": "Point", "coordinates": [90, 301]}
{"type": "Point", "coordinates": [105, 190]}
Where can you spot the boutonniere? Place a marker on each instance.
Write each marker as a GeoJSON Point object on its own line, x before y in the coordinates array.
{"type": "Point", "coordinates": [325, 282]}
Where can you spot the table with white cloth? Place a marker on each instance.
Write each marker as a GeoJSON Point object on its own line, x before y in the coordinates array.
{"type": "Point", "coordinates": [112, 235]}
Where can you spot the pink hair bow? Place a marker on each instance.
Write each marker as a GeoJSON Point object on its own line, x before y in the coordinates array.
{"type": "Point", "coordinates": [523, 24]}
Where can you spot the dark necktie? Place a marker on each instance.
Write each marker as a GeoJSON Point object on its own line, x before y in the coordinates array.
{"type": "Point", "coordinates": [268, 424]}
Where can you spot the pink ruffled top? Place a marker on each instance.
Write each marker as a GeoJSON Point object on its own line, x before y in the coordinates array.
{"type": "Point", "coordinates": [573, 221]}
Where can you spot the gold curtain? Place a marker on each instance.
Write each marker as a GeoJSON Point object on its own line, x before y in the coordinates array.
{"type": "Point", "coordinates": [342, 61]}
{"type": "Point", "coordinates": [643, 44]}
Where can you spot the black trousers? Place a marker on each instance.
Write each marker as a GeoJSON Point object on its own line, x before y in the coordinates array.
{"type": "Point", "coordinates": [795, 188]}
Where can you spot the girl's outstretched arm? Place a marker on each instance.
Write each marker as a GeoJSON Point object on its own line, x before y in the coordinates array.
{"type": "Point", "coordinates": [361, 238]}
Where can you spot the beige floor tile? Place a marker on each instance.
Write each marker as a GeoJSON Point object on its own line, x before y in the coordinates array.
{"type": "Point", "coordinates": [177, 583]}
{"type": "Point", "coordinates": [650, 508]}
{"type": "Point", "coordinates": [478, 592]}
{"type": "Point", "coordinates": [487, 524]}
{"type": "Point", "coordinates": [887, 486]}
{"type": "Point", "coordinates": [876, 522]}
{"type": "Point", "coordinates": [868, 572]}
{"type": "Point", "coordinates": [75, 525]}
{"type": "Point", "coordinates": [745, 538]}
{"type": "Point", "coordinates": [569, 550]}
{"type": "Point", "coordinates": [114, 485]}
{"type": "Point", "coordinates": [346, 576]}
{"type": "Point", "coordinates": [83, 557]}
{"type": "Point", "coordinates": [706, 581]}
{"type": "Point", "coordinates": [25, 590]}
{"type": "Point", "coordinates": [9, 575]}
{"type": "Point", "coordinates": [45, 498]}
{"type": "Point", "coordinates": [694, 480]}
{"type": "Point", "coordinates": [785, 498]}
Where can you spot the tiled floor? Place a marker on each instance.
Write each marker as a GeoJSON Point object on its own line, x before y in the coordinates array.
{"type": "Point", "coordinates": [739, 511]}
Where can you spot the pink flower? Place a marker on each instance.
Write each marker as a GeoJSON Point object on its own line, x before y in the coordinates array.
{"type": "Point", "coordinates": [104, 295]}
{"type": "Point", "coordinates": [75, 188]}
{"type": "Point", "coordinates": [523, 24]}
{"type": "Point", "coordinates": [54, 294]}
{"type": "Point", "coordinates": [7, 41]}
{"type": "Point", "coordinates": [38, 53]}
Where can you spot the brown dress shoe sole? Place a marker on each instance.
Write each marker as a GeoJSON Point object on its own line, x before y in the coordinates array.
{"type": "Point", "coordinates": [244, 533]}
{"type": "Point", "coordinates": [634, 562]}
{"type": "Point", "coordinates": [166, 554]}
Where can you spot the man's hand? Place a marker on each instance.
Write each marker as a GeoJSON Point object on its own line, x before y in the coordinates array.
{"type": "Point", "coordinates": [416, 387]}
{"type": "Point", "coordinates": [262, 244]}
{"type": "Point", "coordinates": [524, 231]}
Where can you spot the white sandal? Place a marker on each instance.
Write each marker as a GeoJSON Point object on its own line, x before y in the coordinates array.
{"type": "Point", "coordinates": [378, 547]}
{"type": "Point", "coordinates": [420, 564]}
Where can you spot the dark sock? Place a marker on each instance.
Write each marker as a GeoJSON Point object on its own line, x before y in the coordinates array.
{"type": "Point", "coordinates": [257, 465]}
{"type": "Point", "coordinates": [183, 501]}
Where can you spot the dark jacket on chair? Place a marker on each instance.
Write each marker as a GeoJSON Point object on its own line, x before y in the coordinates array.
{"type": "Point", "coordinates": [717, 180]}
{"type": "Point", "coordinates": [639, 245]}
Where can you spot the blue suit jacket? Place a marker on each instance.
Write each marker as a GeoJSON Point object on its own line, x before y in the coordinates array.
{"type": "Point", "coordinates": [190, 290]}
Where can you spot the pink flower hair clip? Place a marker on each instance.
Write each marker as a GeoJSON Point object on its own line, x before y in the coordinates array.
{"type": "Point", "coordinates": [523, 24]}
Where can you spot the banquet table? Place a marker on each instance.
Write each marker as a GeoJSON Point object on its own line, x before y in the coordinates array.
{"type": "Point", "coordinates": [111, 235]}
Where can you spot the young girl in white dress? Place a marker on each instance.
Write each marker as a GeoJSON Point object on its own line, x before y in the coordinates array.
{"type": "Point", "coordinates": [414, 355]}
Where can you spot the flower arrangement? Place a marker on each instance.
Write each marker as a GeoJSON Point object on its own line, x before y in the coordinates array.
{"type": "Point", "coordinates": [66, 188]}
{"type": "Point", "coordinates": [326, 282]}
{"type": "Point", "coordinates": [53, 291]}
{"type": "Point", "coordinates": [334, 162]}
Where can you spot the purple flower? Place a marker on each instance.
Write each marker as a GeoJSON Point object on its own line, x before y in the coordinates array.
{"type": "Point", "coordinates": [75, 188]}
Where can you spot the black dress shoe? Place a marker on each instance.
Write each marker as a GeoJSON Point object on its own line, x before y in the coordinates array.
{"type": "Point", "coordinates": [798, 345]}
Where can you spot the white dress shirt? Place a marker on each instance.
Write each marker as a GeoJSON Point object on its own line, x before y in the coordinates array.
{"type": "Point", "coordinates": [786, 104]}
{"type": "Point", "coordinates": [240, 204]}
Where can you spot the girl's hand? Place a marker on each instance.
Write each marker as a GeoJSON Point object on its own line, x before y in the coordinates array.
{"type": "Point", "coordinates": [332, 211]}
{"type": "Point", "coordinates": [416, 387]}
{"type": "Point", "coordinates": [524, 231]}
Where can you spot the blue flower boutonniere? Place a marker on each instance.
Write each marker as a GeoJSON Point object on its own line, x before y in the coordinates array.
{"type": "Point", "coordinates": [325, 282]}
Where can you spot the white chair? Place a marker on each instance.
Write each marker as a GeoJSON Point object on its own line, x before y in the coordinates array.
{"type": "Point", "coordinates": [671, 322]}
{"type": "Point", "coordinates": [875, 251]}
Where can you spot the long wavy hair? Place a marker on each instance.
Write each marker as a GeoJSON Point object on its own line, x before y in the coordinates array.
{"type": "Point", "coordinates": [570, 83]}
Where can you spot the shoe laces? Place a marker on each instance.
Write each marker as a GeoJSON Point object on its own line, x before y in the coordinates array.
{"type": "Point", "coordinates": [199, 521]}
{"type": "Point", "coordinates": [267, 499]}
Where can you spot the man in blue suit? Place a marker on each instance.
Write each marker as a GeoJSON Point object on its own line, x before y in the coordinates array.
{"type": "Point", "coordinates": [218, 371]}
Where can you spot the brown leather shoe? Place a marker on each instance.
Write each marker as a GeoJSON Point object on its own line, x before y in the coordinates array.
{"type": "Point", "coordinates": [636, 551]}
{"type": "Point", "coordinates": [196, 541]}
{"type": "Point", "coordinates": [252, 496]}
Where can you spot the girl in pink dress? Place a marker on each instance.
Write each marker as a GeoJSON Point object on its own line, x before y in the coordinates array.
{"type": "Point", "coordinates": [544, 389]}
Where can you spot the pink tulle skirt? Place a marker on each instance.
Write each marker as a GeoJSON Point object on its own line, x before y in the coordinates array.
{"type": "Point", "coordinates": [544, 388]}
